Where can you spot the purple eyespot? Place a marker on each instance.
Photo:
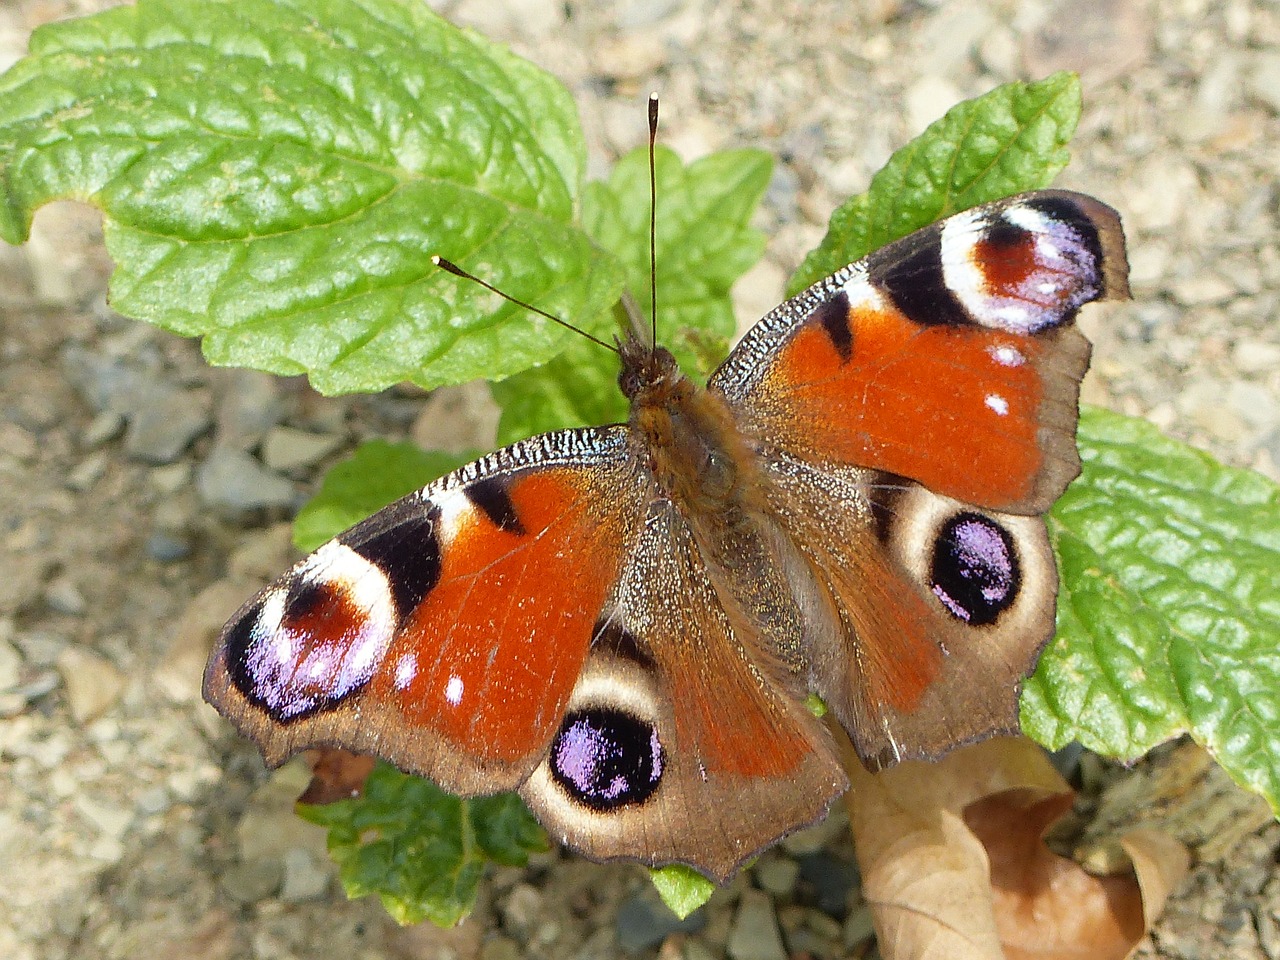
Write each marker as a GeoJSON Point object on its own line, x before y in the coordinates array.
{"type": "Point", "coordinates": [975, 570]}
{"type": "Point", "coordinates": [604, 758]}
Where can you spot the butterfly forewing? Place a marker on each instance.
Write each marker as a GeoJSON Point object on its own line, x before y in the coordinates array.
{"type": "Point", "coordinates": [446, 632]}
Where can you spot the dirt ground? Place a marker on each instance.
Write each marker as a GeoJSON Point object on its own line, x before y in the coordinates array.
{"type": "Point", "coordinates": [145, 495]}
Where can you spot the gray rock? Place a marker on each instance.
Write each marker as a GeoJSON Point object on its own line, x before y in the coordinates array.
{"type": "Point", "coordinates": [232, 480]}
{"type": "Point", "coordinates": [248, 406]}
{"type": "Point", "coordinates": [93, 684]}
{"type": "Point", "coordinates": [305, 878]}
{"type": "Point", "coordinates": [163, 422]}
{"type": "Point", "coordinates": [777, 875]}
{"type": "Point", "coordinates": [521, 909]}
{"type": "Point", "coordinates": [286, 449]}
{"type": "Point", "coordinates": [1264, 80]}
{"type": "Point", "coordinates": [644, 921]}
{"type": "Point", "coordinates": [832, 879]}
{"type": "Point", "coordinates": [252, 881]}
{"type": "Point", "coordinates": [755, 934]}
{"type": "Point", "coordinates": [63, 596]}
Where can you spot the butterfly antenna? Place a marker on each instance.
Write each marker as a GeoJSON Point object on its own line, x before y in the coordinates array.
{"type": "Point", "coordinates": [653, 220]}
{"type": "Point", "coordinates": [450, 267]}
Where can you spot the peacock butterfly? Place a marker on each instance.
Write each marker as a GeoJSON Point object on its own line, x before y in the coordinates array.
{"type": "Point", "coordinates": [625, 622]}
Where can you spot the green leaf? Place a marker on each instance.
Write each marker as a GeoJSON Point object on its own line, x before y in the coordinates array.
{"type": "Point", "coordinates": [376, 474]}
{"type": "Point", "coordinates": [1169, 609]}
{"type": "Point", "coordinates": [276, 175]}
{"type": "Point", "coordinates": [421, 850]}
{"type": "Point", "coordinates": [704, 243]}
{"type": "Point", "coordinates": [681, 888]}
{"type": "Point", "coordinates": [1004, 142]}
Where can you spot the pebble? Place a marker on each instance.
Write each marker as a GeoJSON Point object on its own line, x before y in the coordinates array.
{"type": "Point", "coordinates": [859, 926]}
{"type": "Point", "coordinates": [87, 472]}
{"type": "Point", "coordinates": [832, 878]}
{"type": "Point", "coordinates": [1264, 79]}
{"type": "Point", "coordinates": [63, 596]}
{"type": "Point", "coordinates": [755, 934]}
{"type": "Point", "coordinates": [233, 481]}
{"type": "Point", "coordinates": [251, 881]}
{"type": "Point", "coordinates": [305, 876]}
{"type": "Point", "coordinates": [643, 922]}
{"type": "Point", "coordinates": [167, 548]}
{"type": "Point", "coordinates": [10, 665]}
{"type": "Point", "coordinates": [777, 875]}
{"type": "Point", "coordinates": [248, 405]}
{"type": "Point", "coordinates": [521, 909]}
{"type": "Point", "coordinates": [287, 449]}
{"type": "Point", "coordinates": [163, 422]}
{"type": "Point", "coordinates": [104, 427]}
{"type": "Point", "coordinates": [93, 684]}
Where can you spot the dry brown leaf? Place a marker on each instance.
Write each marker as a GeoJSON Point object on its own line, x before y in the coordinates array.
{"type": "Point", "coordinates": [954, 865]}
{"type": "Point", "coordinates": [335, 775]}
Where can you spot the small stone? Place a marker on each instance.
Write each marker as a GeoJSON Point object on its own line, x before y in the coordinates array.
{"type": "Point", "coordinates": [520, 909]}
{"type": "Point", "coordinates": [928, 99]}
{"type": "Point", "coordinates": [93, 684]}
{"type": "Point", "coordinates": [500, 948]}
{"type": "Point", "coordinates": [248, 406]}
{"type": "Point", "coordinates": [1264, 80]}
{"type": "Point", "coordinates": [232, 480]}
{"type": "Point", "coordinates": [777, 875]}
{"type": "Point", "coordinates": [755, 934]}
{"type": "Point", "coordinates": [153, 800]}
{"type": "Point", "coordinates": [305, 878]}
{"type": "Point", "coordinates": [1201, 289]}
{"type": "Point", "coordinates": [63, 596]}
{"type": "Point", "coordinates": [252, 881]}
{"type": "Point", "coordinates": [171, 477]}
{"type": "Point", "coordinates": [457, 419]}
{"type": "Point", "coordinates": [166, 548]}
{"type": "Point", "coordinates": [10, 665]}
{"type": "Point", "coordinates": [104, 427]}
{"type": "Point", "coordinates": [87, 472]}
{"type": "Point", "coordinates": [832, 879]}
{"type": "Point", "coordinates": [163, 422]}
{"type": "Point", "coordinates": [643, 922]}
{"type": "Point", "coordinates": [1256, 356]}
{"type": "Point", "coordinates": [17, 442]}
{"type": "Point", "coordinates": [286, 449]}
{"type": "Point", "coordinates": [108, 817]}
{"type": "Point", "coordinates": [859, 926]}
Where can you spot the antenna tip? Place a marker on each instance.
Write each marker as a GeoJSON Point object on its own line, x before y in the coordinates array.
{"type": "Point", "coordinates": [653, 96]}
{"type": "Point", "coordinates": [435, 258]}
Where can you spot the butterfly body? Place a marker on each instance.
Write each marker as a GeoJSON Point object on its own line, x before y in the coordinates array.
{"type": "Point", "coordinates": [624, 622]}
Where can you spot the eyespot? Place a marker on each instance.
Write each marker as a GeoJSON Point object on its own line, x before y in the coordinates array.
{"type": "Point", "coordinates": [605, 758]}
{"type": "Point", "coordinates": [974, 572]}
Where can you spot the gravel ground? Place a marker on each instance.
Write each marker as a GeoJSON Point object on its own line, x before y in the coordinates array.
{"type": "Point", "coordinates": [145, 494]}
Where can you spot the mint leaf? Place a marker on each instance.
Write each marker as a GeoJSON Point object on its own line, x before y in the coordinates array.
{"type": "Point", "coordinates": [1004, 142]}
{"type": "Point", "coordinates": [421, 850]}
{"type": "Point", "coordinates": [376, 474]}
{"type": "Point", "coordinates": [681, 888]}
{"type": "Point", "coordinates": [1169, 609]}
{"type": "Point", "coordinates": [704, 243]}
{"type": "Point", "coordinates": [275, 178]}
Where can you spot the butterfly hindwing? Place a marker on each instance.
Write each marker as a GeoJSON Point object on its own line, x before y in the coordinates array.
{"type": "Point", "coordinates": [446, 632]}
{"type": "Point", "coordinates": [675, 746]}
{"type": "Point", "coordinates": [947, 357]}
{"type": "Point", "coordinates": [942, 607]}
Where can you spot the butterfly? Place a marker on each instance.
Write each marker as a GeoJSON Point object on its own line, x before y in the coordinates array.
{"type": "Point", "coordinates": [626, 623]}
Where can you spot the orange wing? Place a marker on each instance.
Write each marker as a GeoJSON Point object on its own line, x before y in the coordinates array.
{"type": "Point", "coordinates": [427, 634]}
{"type": "Point", "coordinates": [948, 357]}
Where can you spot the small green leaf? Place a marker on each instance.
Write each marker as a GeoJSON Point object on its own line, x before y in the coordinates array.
{"type": "Point", "coordinates": [375, 475]}
{"type": "Point", "coordinates": [681, 888]}
{"type": "Point", "coordinates": [275, 178]}
{"type": "Point", "coordinates": [421, 850]}
{"type": "Point", "coordinates": [1169, 609]}
{"type": "Point", "coordinates": [1004, 142]}
{"type": "Point", "coordinates": [704, 243]}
